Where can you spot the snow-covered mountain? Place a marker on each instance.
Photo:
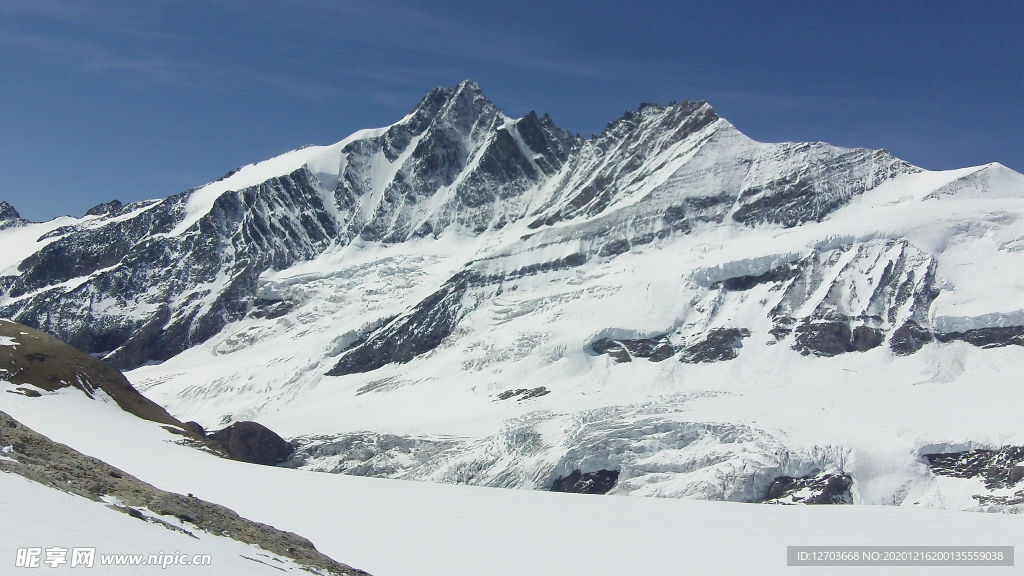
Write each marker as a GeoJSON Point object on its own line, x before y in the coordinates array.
{"type": "Point", "coordinates": [668, 308]}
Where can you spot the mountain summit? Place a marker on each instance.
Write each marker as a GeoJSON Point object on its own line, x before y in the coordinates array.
{"type": "Point", "coordinates": [180, 269]}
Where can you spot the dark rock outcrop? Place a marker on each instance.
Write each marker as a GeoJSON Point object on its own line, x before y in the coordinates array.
{"type": "Point", "coordinates": [524, 393]}
{"type": "Point", "coordinates": [599, 482]}
{"type": "Point", "coordinates": [909, 338]}
{"type": "Point", "coordinates": [112, 208]}
{"type": "Point", "coordinates": [996, 468]}
{"type": "Point", "coordinates": [653, 349]}
{"type": "Point", "coordinates": [849, 318]}
{"type": "Point", "coordinates": [836, 337]}
{"type": "Point", "coordinates": [9, 217]}
{"type": "Point", "coordinates": [570, 261]}
{"type": "Point", "coordinates": [775, 275]}
{"type": "Point", "coordinates": [991, 337]}
{"type": "Point", "coordinates": [816, 489]}
{"type": "Point", "coordinates": [614, 248]}
{"type": "Point", "coordinates": [1001, 469]}
{"type": "Point", "coordinates": [718, 345]}
{"type": "Point", "coordinates": [254, 443]}
{"type": "Point", "coordinates": [7, 212]}
{"type": "Point", "coordinates": [417, 332]}
{"type": "Point", "coordinates": [807, 196]}
{"type": "Point", "coordinates": [38, 458]}
{"type": "Point", "coordinates": [270, 309]}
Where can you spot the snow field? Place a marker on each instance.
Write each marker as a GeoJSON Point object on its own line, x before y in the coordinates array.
{"type": "Point", "coordinates": [37, 516]}
{"type": "Point", "coordinates": [392, 527]}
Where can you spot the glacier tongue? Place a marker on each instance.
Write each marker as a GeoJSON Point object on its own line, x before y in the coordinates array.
{"type": "Point", "coordinates": [466, 297]}
{"type": "Point", "coordinates": [651, 448]}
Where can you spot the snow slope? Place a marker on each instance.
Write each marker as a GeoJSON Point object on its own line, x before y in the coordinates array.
{"type": "Point", "coordinates": [394, 528]}
{"type": "Point", "coordinates": [36, 516]}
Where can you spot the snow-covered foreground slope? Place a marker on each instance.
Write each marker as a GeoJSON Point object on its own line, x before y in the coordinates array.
{"type": "Point", "coordinates": [35, 516]}
{"type": "Point", "coordinates": [396, 528]}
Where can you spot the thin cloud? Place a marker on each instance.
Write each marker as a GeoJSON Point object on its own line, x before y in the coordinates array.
{"type": "Point", "coordinates": [420, 33]}
{"type": "Point", "coordinates": [89, 56]}
{"type": "Point", "coordinates": [141, 40]}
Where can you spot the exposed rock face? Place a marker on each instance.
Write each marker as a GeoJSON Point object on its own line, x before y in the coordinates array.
{"type": "Point", "coordinates": [419, 331]}
{"type": "Point", "coordinates": [816, 489]}
{"type": "Point", "coordinates": [114, 207]}
{"type": "Point", "coordinates": [776, 276]}
{"type": "Point", "coordinates": [720, 344]}
{"type": "Point", "coordinates": [992, 337]}
{"type": "Point", "coordinates": [874, 289]}
{"type": "Point", "coordinates": [833, 338]}
{"type": "Point", "coordinates": [599, 482]}
{"type": "Point", "coordinates": [853, 298]}
{"type": "Point", "coordinates": [253, 442]}
{"type": "Point", "coordinates": [9, 217]}
{"type": "Point", "coordinates": [457, 141]}
{"type": "Point", "coordinates": [171, 291]}
{"type": "Point", "coordinates": [270, 309]}
{"type": "Point", "coordinates": [7, 212]}
{"type": "Point", "coordinates": [195, 427]}
{"type": "Point", "coordinates": [605, 167]}
{"type": "Point", "coordinates": [817, 191]}
{"type": "Point", "coordinates": [524, 393]}
{"type": "Point", "coordinates": [909, 338]}
{"type": "Point", "coordinates": [653, 349]}
{"type": "Point", "coordinates": [1001, 470]}
{"type": "Point", "coordinates": [714, 345]}
{"type": "Point", "coordinates": [38, 458]}
{"type": "Point", "coordinates": [997, 468]}
{"type": "Point", "coordinates": [43, 361]}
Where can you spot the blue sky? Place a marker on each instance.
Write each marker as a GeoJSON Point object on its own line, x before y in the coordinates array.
{"type": "Point", "coordinates": [135, 100]}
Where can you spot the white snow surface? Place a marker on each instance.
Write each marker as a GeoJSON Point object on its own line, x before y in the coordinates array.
{"type": "Point", "coordinates": [392, 528]}
{"type": "Point", "coordinates": [20, 242]}
{"type": "Point", "coordinates": [37, 516]}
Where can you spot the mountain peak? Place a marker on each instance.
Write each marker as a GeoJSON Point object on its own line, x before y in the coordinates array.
{"type": "Point", "coordinates": [441, 95]}
{"type": "Point", "coordinates": [464, 102]}
{"type": "Point", "coordinates": [469, 86]}
{"type": "Point", "coordinates": [467, 98]}
{"type": "Point", "coordinates": [7, 212]}
{"type": "Point", "coordinates": [679, 118]}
